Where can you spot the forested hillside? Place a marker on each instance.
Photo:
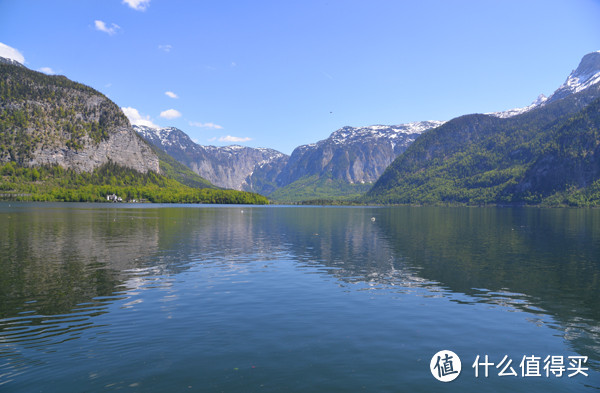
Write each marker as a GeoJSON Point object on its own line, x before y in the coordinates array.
{"type": "Point", "coordinates": [548, 155]}
{"type": "Point", "coordinates": [54, 183]}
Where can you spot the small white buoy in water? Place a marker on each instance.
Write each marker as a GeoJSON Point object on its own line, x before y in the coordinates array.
{"type": "Point", "coordinates": [373, 219]}
{"type": "Point", "coordinates": [242, 211]}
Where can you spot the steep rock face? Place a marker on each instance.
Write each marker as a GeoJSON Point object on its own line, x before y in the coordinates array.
{"type": "Point", "coordinates": [121, 147]}
{"type": "Point", "coordinates": [235, 167]}
{"type": "Point", "coordinates": [354, 155]}
{"type": "Point", "coordinates": [52, 120]}
{"type": "Point", "coordinates": [263, 177]}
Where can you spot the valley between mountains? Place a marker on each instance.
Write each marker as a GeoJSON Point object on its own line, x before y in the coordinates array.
{"type": "Point", "coordinates": [75, 138]}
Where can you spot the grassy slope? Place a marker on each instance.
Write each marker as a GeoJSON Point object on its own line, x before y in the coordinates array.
{"type": "Point", "coordinates": [313, 188]}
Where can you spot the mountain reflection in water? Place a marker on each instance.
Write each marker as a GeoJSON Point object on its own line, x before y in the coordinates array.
{"type": "Point", "coordinates": [68, 271]}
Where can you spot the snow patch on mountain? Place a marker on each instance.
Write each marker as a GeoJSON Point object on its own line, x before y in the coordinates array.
{"type": "Point", "coordinates": [351, 134]}
{"type": "Point", "coordinates": [586, 75]}
{"type": "Point", "coordinates": [517, 111]}
{"type": "Point", "coordinates": [575, 83]}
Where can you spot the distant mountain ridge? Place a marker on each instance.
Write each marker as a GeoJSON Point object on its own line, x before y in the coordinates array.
{"type": "Point", "coordinates": [353, 154]}
{"type": "Point", "coordinates": [235, 167]}
{"type": "Point", "coordinates": [350, 155]}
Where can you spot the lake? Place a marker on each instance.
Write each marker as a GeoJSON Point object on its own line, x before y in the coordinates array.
{"type": "Point", "coordinates": [157, 298]}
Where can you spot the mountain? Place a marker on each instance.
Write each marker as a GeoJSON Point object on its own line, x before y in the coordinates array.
{"type": "Point", "coordinates": [343, 165]}
{"type": "Point", "coordinates": [234, 167]}
{"type": "Point", "coordinates": [346, 163]}
{"type": "Point", "coordinates": [542, 155]}
{"type": "Point", "coordinates": [470, 159]}
{"type": "Point", "coordinates": [64, 141]}
{"type": "Point", "coordinates": [355, 155]}
{"type": "Point", "coordinates": [517, 111]}
{"type": "Point", "coordinates": [51, 120]}
{"type": "Point", "coordinates": [586, 75]}
{"type": "Point", "coordinates": [570, 160]}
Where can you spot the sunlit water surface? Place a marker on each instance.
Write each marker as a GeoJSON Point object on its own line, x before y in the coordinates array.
{"type": "Point", "coordinates": [293, 299]}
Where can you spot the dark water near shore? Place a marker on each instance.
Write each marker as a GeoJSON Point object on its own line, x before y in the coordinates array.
{"type": "Point", "coordinates": [293, 299]}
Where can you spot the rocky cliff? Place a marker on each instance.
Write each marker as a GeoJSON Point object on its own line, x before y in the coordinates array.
{"type": "Point", "coordinates": [235, 167]}
{"type": "Point", "coordinates": [48, 120]}
{"type": "Point", "coordinates": [351, 154]}
{"type": "Point", "coordinates": [121, 147]}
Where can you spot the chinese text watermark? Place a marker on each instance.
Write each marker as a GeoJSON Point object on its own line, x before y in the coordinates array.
{"type": "Point", "coordinates": [446, 366]}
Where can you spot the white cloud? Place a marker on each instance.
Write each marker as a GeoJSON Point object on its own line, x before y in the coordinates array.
{"type": "Point", "coordinates": [171, 94]}
{"type": "Point", "coordinates": [136, 119]}
{"type": "Point", "coordinates": [230, 138]}
{"type": "Point", "coordinates": [47, 70]}
{"type": "Point", "coordinates": [101, 26]}
{"type": "Point", "coordinates": [205, 125]}
{"type": "Point", "coordinates": [11, 53]}
{"type": "Point", "coordinates": [170, 114]}
{"type": "Point", "coordinates": [138, 5]}
{"type": "Point", "coordinates": [214, 138]}
{"type": "Point", "coordinates": [167, 48]}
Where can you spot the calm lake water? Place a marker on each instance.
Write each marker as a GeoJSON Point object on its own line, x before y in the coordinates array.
{"type": "Point", "coordinates": [153, 298]}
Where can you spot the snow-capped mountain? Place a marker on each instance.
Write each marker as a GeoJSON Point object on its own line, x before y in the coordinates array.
{"type": "Point", "coordinates": [168, 137]}
{"type": "Point", "coordinates": [235, 167]}
{"type": "Point", "coordinates": [353, 154]}
{"type": "Point", "coordinates": [398, 134]}
{"type": "Point", "coordinates": [350, 154]}
{"type": "Point", "coordinates": [586, 75]}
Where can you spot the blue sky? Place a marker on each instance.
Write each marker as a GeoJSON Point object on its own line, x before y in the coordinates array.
{"type": "Point", "coordinates": [284, 73]}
